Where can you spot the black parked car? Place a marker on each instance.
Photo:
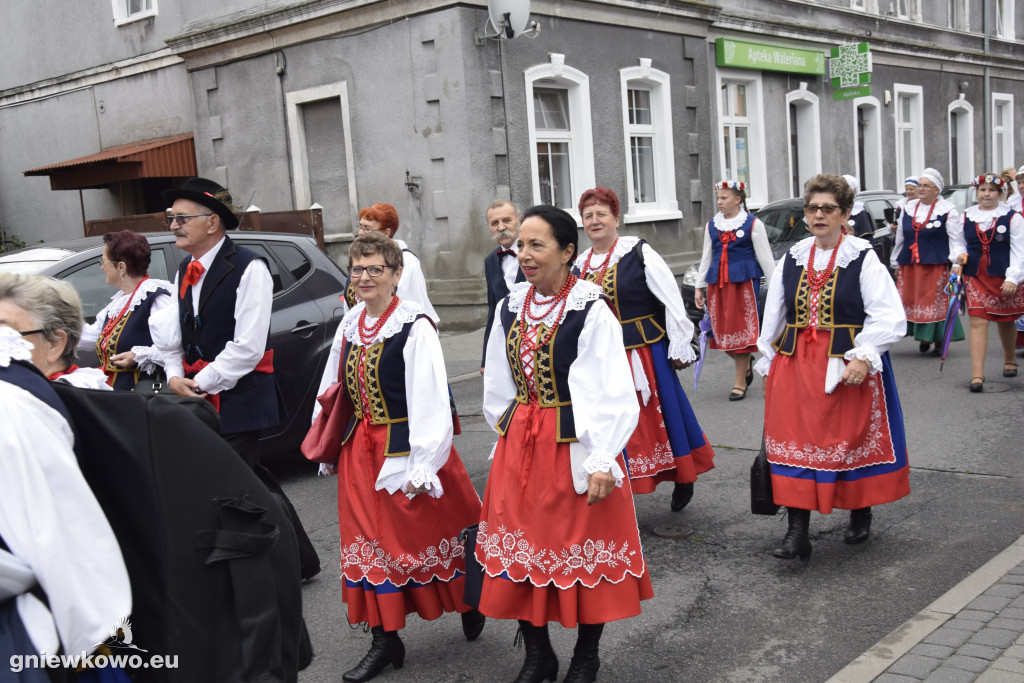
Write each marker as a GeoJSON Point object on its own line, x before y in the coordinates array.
{"type": "Point", "coordinates": [304, 318]}
{"type": "Point", "coordinates": [785, 224]}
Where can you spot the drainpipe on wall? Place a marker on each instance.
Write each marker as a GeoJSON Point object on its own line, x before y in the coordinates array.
{"type": "Point", "coordinates": [987, 109]}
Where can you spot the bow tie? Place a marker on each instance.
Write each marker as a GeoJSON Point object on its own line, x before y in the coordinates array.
{"type": "Point", "coordinates": [506, 252]}
{"type": "Point", "coordinates": [192, 274]}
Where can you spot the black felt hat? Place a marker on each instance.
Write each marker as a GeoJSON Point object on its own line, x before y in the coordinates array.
{"type": "Point", "coordinates": [209, 194]}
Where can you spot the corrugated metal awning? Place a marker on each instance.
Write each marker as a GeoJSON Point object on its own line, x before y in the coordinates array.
{"type": "Point", "coordinates": [169, 157]}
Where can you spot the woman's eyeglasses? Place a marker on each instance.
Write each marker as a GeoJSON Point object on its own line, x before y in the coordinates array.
{"type": "Point", "coordinates": [827, 209]}
{"type": "Point", "coordinates": [372, 271]}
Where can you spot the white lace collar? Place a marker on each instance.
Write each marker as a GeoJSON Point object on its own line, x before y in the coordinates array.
{"type": "Point", "coordinates": [147, 286]}
{"type": "Point", "coordinates": [978, 214]}
{"type": "Point", "coordinates": [849, 250]}
{"type": "Point", "coordinates": [581, 294]}
{"type": "Point", "coordinates": [623, 246]}
{"type": "Point", "coordinates": [942, 207]}
{"type": "Point", "coordinates": [13, 347]}
{"type": "Point", "coordinates": [724, 224]}
{"type": "Point", "coordinates": [85, 378]}
{"type": "Point", "coordinates": [405, 312]}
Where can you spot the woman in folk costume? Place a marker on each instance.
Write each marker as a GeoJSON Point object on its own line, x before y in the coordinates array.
{"type": "Point", "coordinates": [403, 493]}
{"type": "Point", "coordinates": [668, 444]}
{"type": "Point", "coordinates": [990, 252]}
{"type": "Point", "coordinates": [910, 186]}
{"type": "Point", "coordinates": [558, 538]}
{"type": "Point", "coordinates": [123, 332]}
{"type": "Point", "coordinates": [922, 253]}
{"type": "Point", "coordinates": [736, 256]}
{"type": "Point", "coordinates": [832, 419]}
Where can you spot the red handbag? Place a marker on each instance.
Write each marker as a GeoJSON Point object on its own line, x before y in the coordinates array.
{"type": "Point", "coordinates": [323, 441]}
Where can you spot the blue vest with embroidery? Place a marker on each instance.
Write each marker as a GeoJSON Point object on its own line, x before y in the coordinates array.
{"type": "Point", "coordinates": [998, 248]}
{"type": "Point", "coordinates": [252, 403]}
{"type": "Point", "coordinates": [639, 312]}
{"type": "Point", "coordinates": [742, 261]}
{"type": "Point", "coordinates": [385, 387]}
{"type": "Point", "coordinates": [840, 306]}
{"type": "Point", "coordinates": [551, 369]}
{"type": "Point", "coordinates": [132, 330]}
{"type": "Point", "coordinates": [932, 242]}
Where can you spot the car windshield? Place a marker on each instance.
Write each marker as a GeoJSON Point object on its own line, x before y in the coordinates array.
{"type": "Point", "coordinates": [31, 261]}
{"type": "Point", "coordinates": [785, 225]}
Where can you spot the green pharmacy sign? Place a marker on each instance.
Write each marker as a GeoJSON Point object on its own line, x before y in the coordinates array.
{"type": "Point", "coordinates": [740, 54]}
{"type": "Point", "coordinates": [850, 67]}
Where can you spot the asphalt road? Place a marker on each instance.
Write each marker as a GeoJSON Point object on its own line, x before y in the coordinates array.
{"type": "Point", "coordinates": [724, 609]}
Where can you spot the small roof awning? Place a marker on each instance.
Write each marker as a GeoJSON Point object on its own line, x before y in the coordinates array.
{"type": "Point", "coordinates": [168, 157]}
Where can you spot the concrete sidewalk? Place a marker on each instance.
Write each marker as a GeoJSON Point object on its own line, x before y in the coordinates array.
{"type": "Point", "coordinates": [975, 632]}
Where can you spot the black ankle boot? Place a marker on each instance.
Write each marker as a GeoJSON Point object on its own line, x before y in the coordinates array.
{"type": "Point", "coordinates": [585, 661]}
{"type": "Point", "coordinates": [859, 527]}
{"type": "Point", "coordinates": [472, 624]}
{"type": "Point", "coordinates": [386, 648]}
{"type": "Point", "coordinates": [681, 495]}
{"type": "Point", "coordinates": [540, 663]}
{"type": "Point", "coordinates": [795, 543]}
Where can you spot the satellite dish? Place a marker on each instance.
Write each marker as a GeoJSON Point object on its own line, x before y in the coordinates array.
{"type": "Point", "coordinates": [509, 16]}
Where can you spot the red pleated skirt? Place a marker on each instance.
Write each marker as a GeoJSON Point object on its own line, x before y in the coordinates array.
{"type": "Point", "coordinates": [733, 312]}
{"type": "Point", "coordinates": [830, 450]}
{"type": "Point", "coordinates": [400, 556]}
{"type": "Point", "coordinates": [547, 555]}
{"type": "Point", "coordinates": [652, 459]}
{"type": "Point", "coordinates": [921, 289]}
{"type": "Point", "coordinates": [985, 297]}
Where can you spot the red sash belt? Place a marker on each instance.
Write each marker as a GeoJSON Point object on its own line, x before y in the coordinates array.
{"type": "Point", "coordinates": [266, 366]}
{"type": "Point", "coordinates": [723, 262]}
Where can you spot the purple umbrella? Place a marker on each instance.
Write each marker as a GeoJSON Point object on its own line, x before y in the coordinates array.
{"type": "Point", "coordinates": [705, 334]}
{"type": "Point", "coordinates": [955, 289]}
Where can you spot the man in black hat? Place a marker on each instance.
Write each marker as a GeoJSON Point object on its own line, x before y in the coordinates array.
{"type": "Point", "coordinates": [224, 301]}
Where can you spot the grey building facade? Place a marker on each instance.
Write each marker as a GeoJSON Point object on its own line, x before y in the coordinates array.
{"type": "Point", "coordinates": [345, 103]}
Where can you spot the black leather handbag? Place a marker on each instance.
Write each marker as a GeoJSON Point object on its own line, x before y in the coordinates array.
{"type": "Point", "coordinates": [761, 501]}
{"type": "Point", "coordinates": [474, 571]}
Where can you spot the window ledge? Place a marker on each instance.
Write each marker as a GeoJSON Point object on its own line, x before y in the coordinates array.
{"type": "Point", "coordinates": [135, 17]}
{"type": "Point", "coordinates": [651, 215]}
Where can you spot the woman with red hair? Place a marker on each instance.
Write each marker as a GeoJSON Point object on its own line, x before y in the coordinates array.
{"type": "Point", "coordinates": [383, 218]}
{"type": "Point", "coordinates": [736, 256]}
{"type": "Point", "coordinates": [123, 333]}
{"type": "Point", "coordinates": [668, 444]}
{"type": "Point", "coordinates": [990, 253]}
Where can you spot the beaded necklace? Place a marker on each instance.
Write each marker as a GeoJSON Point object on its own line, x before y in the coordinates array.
{"type": "Point", "coordinates": [368, 334]}
{"type": "Point", "coordinates": [603, 267]}
{"type": "Point", "coordinates": [985, 236]}
{"type": "Point", "coordinates": [558, 300]}
{"type": "Point", "coordinates": [108, 329]}
{"type": "Point", "coordinates": [918, 227]}
{"type": "Point", "coordinates": [816, 279]}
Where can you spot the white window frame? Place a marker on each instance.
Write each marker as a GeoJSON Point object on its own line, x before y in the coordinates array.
{"type": "Point", "coordinates": [964, 140]}
{"type": "Point", "coordinates": [1005, 19]}
{"type": "Point", "coordinates": [581, 140]}
{"type": "Point", "coordinates": [297, 139]}
{"type": "Point", "coordinates": [913, 166]}
{"type": "Point", "coordinates": [121, 16]}
{"type": "Point", "coordinates": [658, 83]}
{"type": "Point", "coordinates": [810, 146]}
{"type": "Point", "coordinates": [757, 194]}
{"type": "Point", "coordinates": [1006, 156]}
{"type": "Point", "coordinates": [858, 4]}
{"type": "Point", "coordinates": [958, 15]}
{"type": "Point", "coordinates": [872, 173]}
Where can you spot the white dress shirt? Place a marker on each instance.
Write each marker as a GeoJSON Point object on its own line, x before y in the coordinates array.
{"type": "Point", "coordinates": [426, 396]}
{"type": "Point", "coordinates": [604, 403]}
{"type": "Point", "coordinates": [241, 355]}
{"type": "Point", "coordinates": [954, 224]}
{"type": "Point", "coordinates": [885, 322]}
{"type": "Point", "coordinates": [57, 532]}
{"type": "Point", "coordinates": [147, 357]}
{"type": "Point", "coordinates": [758, 235]}
{"type": "Point", "coordinates": [984, 220]}
{"type": "Point", "coordinates": [510, 265]}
